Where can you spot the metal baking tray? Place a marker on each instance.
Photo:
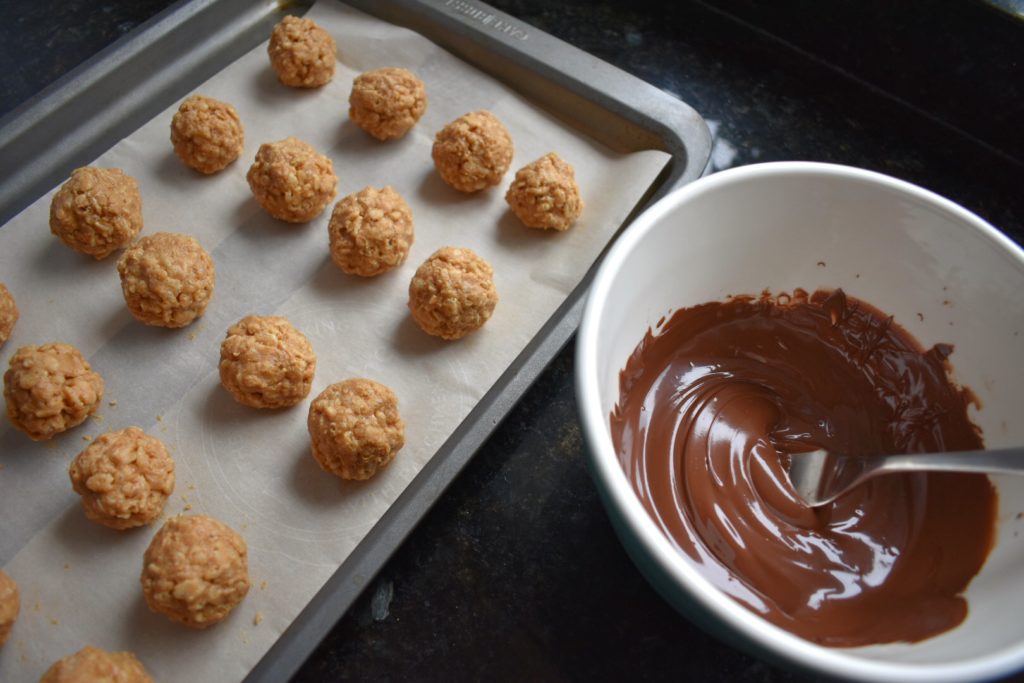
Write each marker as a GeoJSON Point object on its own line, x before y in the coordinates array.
{"type": "Point", "coordinates": [106, 99]}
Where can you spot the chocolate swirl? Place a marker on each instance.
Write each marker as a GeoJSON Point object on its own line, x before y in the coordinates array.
{"type": "Point", "coordinates": [713, 404]}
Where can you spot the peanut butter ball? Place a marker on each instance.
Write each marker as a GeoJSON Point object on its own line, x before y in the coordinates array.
{"type": "Point", "coordinates": [302, 53]}
{"type": "Point", "coordinates": [370, 231]}
{"type": "Point", "coordinates": [10, 605]}
{"type": "Point", "coordinates": [8, 313]}
{"type": "Point", "coordinates": [452, 293]}
{"type": "Point", "coordinates": [544, 194]}
{"type": "Point", "coordinates": [473, 152]}
{"type": "Point", "coordinates": [167, 279]}
{"type": "Point", "coordinates": [124, 478]}
{"type": "Point", "coordinates": [195, 571]}
{"type": "Point", "coordinates": [97, 211]}
{"type": "Point", "coordinates": [291, 180]}
{"type": "Point", "coordinates": [49, 389]}
{"type": "Point", "coordinates": [93, 665]}
{"type": "Point", "coordinates": [207, 134]}
{"type": "Point", "coordinates": [266, 363]}
{"type": "Point", "coordinates": [387, 103]}
{"type": "Point", "coordinates": [355, 428]}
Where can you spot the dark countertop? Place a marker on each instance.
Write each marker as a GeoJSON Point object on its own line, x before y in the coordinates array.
{"type": "Point", "coordinates": [516, 573]}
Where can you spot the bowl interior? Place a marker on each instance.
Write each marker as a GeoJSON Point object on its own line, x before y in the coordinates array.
{"type": "Point", "coordinates": [944, 275]}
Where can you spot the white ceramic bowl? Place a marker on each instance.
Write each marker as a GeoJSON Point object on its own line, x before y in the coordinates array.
{"type": "Point", "coordinates": [892, 244]}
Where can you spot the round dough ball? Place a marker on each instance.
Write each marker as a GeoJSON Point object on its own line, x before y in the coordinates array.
{"type": "Point", "coordinates": [544, 194]}
{"type": "Point", "coordinates": [10, 605]}
{"type": "Point", "coordinates": [473, 151]}
{"type": "Point", "coordinates": [291, 180]}
{"type": "Point", "coordinates": [301, 53]}
{"type": "Point", "coordinates": [207, 134]}
{"type": "Point", "coordinates": [387, 103]}
{"type": "Point", "coordinates": [355, 428]}
{"type": "Point", "coordinates": [97, 211]}
{"type": "Point", "coordinates": [8, 313]}
{"type": "Point", "coordinates": [371, 231]}
{"type": "Point", "coordinates": [452, 293]}
{"type": "Point", "coordinates": [93, 665]}
{"type": "Point", "coordinates": [167, 279]}
{"type": "Point", "coordinates": [266, 363]}
{"type": "Point", "coordinates": [49, 389]}
{"type": "Point", "coordinates": [195, 571]}
{"type": "Point", "coordinates": [124, 478]}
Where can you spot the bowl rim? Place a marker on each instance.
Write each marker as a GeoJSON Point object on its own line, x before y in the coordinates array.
{"type": "Point", "coordinates": [609, 475]}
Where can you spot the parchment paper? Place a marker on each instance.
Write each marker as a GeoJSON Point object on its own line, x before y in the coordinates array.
{"type": "Point", "coordinates": [252, 469]}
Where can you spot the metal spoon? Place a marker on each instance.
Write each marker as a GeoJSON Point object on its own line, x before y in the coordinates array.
{"type": "Point", "coordinates": [820, 477]}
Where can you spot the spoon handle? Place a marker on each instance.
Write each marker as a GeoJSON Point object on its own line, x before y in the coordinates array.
{"type": "Point", "coordinates": [995, 461]}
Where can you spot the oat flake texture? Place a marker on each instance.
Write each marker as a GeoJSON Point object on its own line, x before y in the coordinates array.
{"type": "Point", "coordinates": [452, 293]}
{"type": "Point", "coordinates": [49, 389]}
{"type": "Point", "coordinates": [97, 211]}
{"type": "Point", "coordinates": [545, 195]}
{"type": "Point", "coordinates": [93, 665]}
{"type": "Point", "coordinates": [8, 313]}
{"type": "Point", "coordinates": [387, 103]}
{"type": "Point", "coordinates": [291, 180]}
{"type": "Point", "coordinates": [266, 363]}
{"type": "Point", "coordinates": [473, 152]}
{"type": "Point", "coordinates": [124, 478]}
{"type": "Point", "coordinates": [355, 428]}
{"type": "Point", "coordinates": [207, 134]}
{"type": "Point", "coordinates": [195, 571]}
{"type": "Point", "coordinates": [301, 53]}
{"type": "Point", "coordinates": [371, 231]}
{"type": "Point", "coordinates": [10, 604]}
{"type": "Point", "coordinates": [167, 279]}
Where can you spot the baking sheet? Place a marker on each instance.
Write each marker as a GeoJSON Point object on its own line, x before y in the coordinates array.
{"type": "Point", "coordinates": [249, 468]}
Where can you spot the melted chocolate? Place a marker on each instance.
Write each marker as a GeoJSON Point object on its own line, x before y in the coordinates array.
{"type": "Point", "coordinates": [710, 409]}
